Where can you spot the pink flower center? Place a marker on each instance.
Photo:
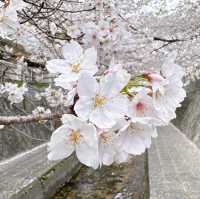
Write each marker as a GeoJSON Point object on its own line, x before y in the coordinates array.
{"type": "Point", "coordinates": [140, 107]}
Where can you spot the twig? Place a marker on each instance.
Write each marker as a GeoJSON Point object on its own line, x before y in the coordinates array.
{"type": "Point", "coordinates": [167, 42]}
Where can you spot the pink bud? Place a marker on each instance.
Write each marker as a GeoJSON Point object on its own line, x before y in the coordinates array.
{"type": "Point", "coordinates": [154, 77]}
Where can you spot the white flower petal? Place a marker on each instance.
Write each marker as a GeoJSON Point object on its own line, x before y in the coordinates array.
{"type": "Point", "coordinates": [59, 151]}
{"type": "Point", "coordinates": [108, 158]}
{"type": "Point", "coordinates": [120, 124]}
{"type": "Point", "coordinates": [101, 118]}
{"type": "Point", "coordinates": [90, 135]}
{"type": "Point", "coordinates": [72, 52]}
{"type": "Point", "coordinates": [66, 80]}
{"type": "Point", "coordinates": [133, 144]}
{"type": "Point", "coordinates": [141, 109]}
{"type": "Point", "coordinates": [83, 107]}
{"type": "Point", "coordinates": [112, 84]}
{"type": "Point", "coordinates": [154, 133]}
{"type": "Point", "coordinates": [72, 122]}
{"type": "Point", "coordinates": [87, 155]}
{"type": "Point", "coordinates": [137, 138]}
{"type": "Point", "coordinates": [169, 68]}
{"type": "Point", "coordinates": [167, 103]}
{"type": "Point", "coordinates": [89, 62]}
{"type": "Point", "coordinates": [59, 146]}
{"type": "Point", "coordinates": [118, 106]}
{"type": "Point", "coordinates": [87, 85]}
{"type": "Point", "coordinates": [57, 66]}
{"type": "Point", "coordinates": [121, 157]}
{"type": "Point", "coordinates": [70, 97]}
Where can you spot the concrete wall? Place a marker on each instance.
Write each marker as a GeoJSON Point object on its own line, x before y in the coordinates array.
{"type": "Point", "coordinates": [188, 116]}
{"type": "Point", "coordinates": [15, 139]}
{"type": "Point", "coordinates": [18, 138]}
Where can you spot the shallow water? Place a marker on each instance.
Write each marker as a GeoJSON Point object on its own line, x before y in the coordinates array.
{"type": "Point", "coordinates": [118, 181]}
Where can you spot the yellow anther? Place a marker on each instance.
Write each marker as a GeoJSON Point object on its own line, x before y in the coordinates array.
{"type": "Point", "coordinates": [105, 137]}
{"type": "Point", "coordinates": [99, 101]}
{"type": "Point", "coordinates": [76, 67]}
{"type": "Point", "coordinates": [75, 136]}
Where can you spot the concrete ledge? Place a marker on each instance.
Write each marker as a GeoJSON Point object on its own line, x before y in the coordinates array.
{"type": "Point", "coordinates": [30, 175]}
{"type": "Point", "coordinates": [174, 166]}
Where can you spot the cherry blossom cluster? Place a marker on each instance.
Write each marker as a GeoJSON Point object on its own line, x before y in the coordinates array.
{"type": "Point", "coordinates": [14, 93]}
{"type": "Point", "coordinates": [9, 22]}
{"type": "Point", "coordinates": [8, 25]}
{"type": "Point", "coordinates": [115, 114]}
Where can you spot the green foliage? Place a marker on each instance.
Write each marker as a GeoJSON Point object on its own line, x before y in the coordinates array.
{"type": "Point", "coordinates": [38, 85]}
{"type": "Point", "coordinates": [135, 82]}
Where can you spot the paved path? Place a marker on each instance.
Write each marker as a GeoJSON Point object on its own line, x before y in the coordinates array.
{"type": "Point", "coordinates": [174, 166]}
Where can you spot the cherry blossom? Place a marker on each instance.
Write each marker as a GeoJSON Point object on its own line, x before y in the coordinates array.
{"type": "Point", "coordinates": [136, 138]}
{"type": "Point", "coordinates": [110, 145]}
{"type": "Point", "coordinates": [40, 110]}
{"type": "Point", "coordinates": [102, 103]}
{"type": "Point", "coordinates": [141, 109]}
{"type": "Point", "coordinates": [75, 135]}
{"type": "Point", "coordinates": [103, 32]}
{"type": "Point", "coordinates": [8, 16]}
{"type": "Point", "coordinates": [91, 34]}
{"type": "Point", "coordinates": [69, 98]}
{"type": "Point", "coordinates": [53, 28]}
{"type": "Point", "coordinates": [109, 149]}
{"type": "Point", "coordinates": [167, 89]}
{"type": "Point", "coordinates": [54, 97]}
{"type": "Point", "coordinates": [172, 71]}
{"type": "Point", "coordinates": [15, 93]}
{"type": "Point", "coordinates": [114, 67]}
{"type": "Point", "coordinates": [114, 114]}
{"type": "Point", "coordinates": [74, 63]}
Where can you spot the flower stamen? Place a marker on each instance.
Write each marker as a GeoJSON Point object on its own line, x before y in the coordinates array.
{"type": "Point", "coordinates": [99, 101]}
{"type": "Point", "coordinates": [76, 67]}
{"type": "Point", "coordinates": [136, 127]}
{"type": "Point", "coordinates": [104, 137]}
{"type": "Point", "coordinates": [158, 94]}
{"type": "Point", "coordinates": [75, 136]}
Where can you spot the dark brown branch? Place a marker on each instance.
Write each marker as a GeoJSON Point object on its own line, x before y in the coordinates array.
{"type": "Point", "coordinates": [167, 40]}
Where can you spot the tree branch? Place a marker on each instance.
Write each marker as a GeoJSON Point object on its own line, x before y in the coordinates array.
{"type": "Point", "coordinates": [8, 120]}
{"type": "Point", "coordinates": [167, 40]}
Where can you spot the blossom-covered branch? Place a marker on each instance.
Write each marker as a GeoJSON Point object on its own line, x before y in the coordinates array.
{"type": "Point", "coordinates": [114, 111]}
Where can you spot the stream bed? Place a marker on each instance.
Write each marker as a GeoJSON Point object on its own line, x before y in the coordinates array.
{"type": "Point", "coordinates": [124, 181]}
